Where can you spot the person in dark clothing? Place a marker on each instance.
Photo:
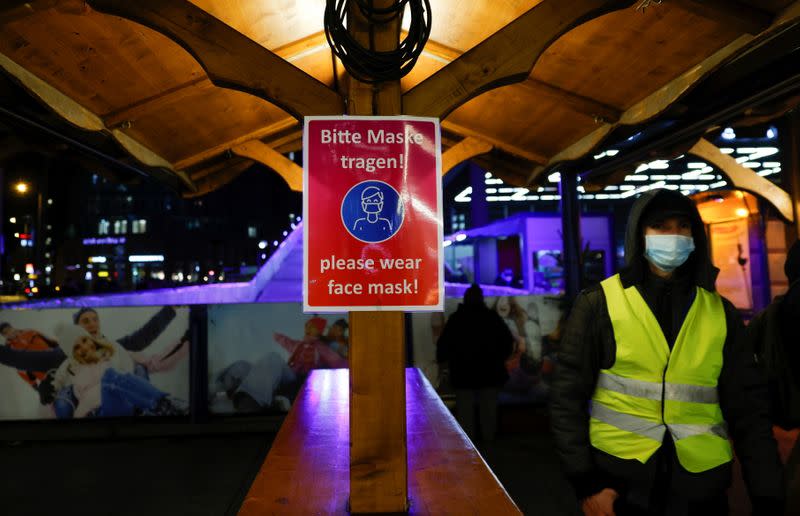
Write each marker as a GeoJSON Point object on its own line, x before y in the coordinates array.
{"type": "Point", "coordinates": [655, 375]}
{"type": "Point", "coordinates": [475, 344]}
{"type": "Point", "coordinates": [775, 337]}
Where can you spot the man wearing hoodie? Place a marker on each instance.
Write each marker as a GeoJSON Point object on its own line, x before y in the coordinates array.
{"type": "Point", "coordinates": [655, 378]}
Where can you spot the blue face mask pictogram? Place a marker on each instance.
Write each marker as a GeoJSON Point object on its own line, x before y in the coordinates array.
{"type": "Point", "coordinates": [668, 252]}
{"type": "Point", "coordinates": [372, 211]}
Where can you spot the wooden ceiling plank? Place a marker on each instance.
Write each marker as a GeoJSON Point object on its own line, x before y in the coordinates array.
{"type": "Point", "coordinates": [506, 147]}
{"type": "Point", "coordinates": [578, 103]}
{"type": "Point", "coordinates": [258, 151]}
{"type": "Point", "coordinates": [76, 114]}
{"type": "Point", "coordinates": [230, 59]}
{"type": "Point", "coordinates": [465, 149]}
{"type": "Point", "coordinates": [744, 18]}
{"type": "Point", "coordinates": [506, 57]}
{"type": "Point", "coordinates": [216, 150]}
{"type": "Point", "coordinates": [745, 178]}
{"type": "Point", "coordinates": [658, 101]}
{"type": "Point", "coordinates": [156, 102]}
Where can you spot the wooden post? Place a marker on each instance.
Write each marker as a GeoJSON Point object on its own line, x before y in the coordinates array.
{"type": "Point", "coordinates": [378, 463]}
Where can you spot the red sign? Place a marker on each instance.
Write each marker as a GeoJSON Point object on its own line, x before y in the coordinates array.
{"type": "Point", "coordinates": [372, 207]}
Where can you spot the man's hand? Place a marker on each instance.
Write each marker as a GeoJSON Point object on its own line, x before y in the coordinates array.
{"type": "Point", "coordinates": [600, 504]}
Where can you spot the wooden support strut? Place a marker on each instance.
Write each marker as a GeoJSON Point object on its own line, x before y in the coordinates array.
{"type": "Point", "coordinates": [266, 155]}
{"type": "Point", "coordinates": [504, 58]}
{"type": "Point", "coordinates": [462, 151]}
{"type": "Point", "coordinates": [745, 178]}
{"type": "Point", "coordinates": [230, 59]}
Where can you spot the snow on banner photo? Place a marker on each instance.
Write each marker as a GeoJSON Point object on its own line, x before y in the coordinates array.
{"type": "Point", "coordinates": [259, 355]}
{"type": "Point", "coordinates": [103, 362]}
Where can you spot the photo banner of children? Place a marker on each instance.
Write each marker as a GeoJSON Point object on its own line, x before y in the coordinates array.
{"type": "Point", "coordinates": [535, 323]}
{"type": "Point", "coordinates": [94, 362]}
{"type": "Point", "coordinates": [259, 355]}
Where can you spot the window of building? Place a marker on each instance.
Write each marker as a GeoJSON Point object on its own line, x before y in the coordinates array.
{"type": "Point", "coordinates": [102, 227]}
{"type": "Point", "coordinates": [120, 227]}
{"type": "Point", "coordinates": [251, 231]}
{"type": "Point", "coordinates": [139, 226]}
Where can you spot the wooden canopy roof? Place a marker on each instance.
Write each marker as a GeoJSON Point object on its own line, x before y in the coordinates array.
{"type": "Point", "coordinates": [202, 88]}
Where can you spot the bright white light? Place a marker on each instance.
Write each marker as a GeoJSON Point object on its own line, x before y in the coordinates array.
{"type": "Point", "coordinates": [16, 277]}
{"type": "Point", "coordinates": [718, 184]}
{"type": "Point", "coordinates": [49, 201]}
{"type": "Point", "coordinates": [146, 258]}
{"type": "Point", "coordinates": [487, 175]}
{"type": "Point", "coordinates": [772, 132]}
{"type": "Point", "coordinates": [752, 164]}
{"type": "Point", "coordinates": [275, 243]}
{"type": "Point", "coordinates": [698, 164]}
{"type": "Point", "coordinates": [493, 181]}
{"type": "Point", "coordinates": [742, 212]}
{"type": "Point", "coordinates": [262, 244]}
{"type": "Point", "coordinates": [771, 164]}
{"type": "Point", "coordinates": [293, 225]}
{"type": "Point", "coordinates": [97, 259]}
{"type": "Point", "coordinates": [298, 219]}
{"type": "Point", "coordinates": [461, 237]}
{"type": "Point", "coordinates": [285, 233]}
{"type": "Point", "coordinates": [263, 256]}
{"type": "Point", "coordinates": [636, 177]}
{"type": "Point", "coordinates": [659, 164]}
{"type": "Point", "coordinates": [491, 190]}
{"type": "Point", "coordinates": [447, 243]}
{"type": "Point", "coordinates": [601, 155]}
{"type": "Point", "coordinates": [464, 195]}
{"type": "Point", "coordinates": [644, 188]}
{"type": "Point", "coordinates": [642, 168]}
{"type": "Point", "coordinates": [555, 177]}
{"type": "Point", "coordinates": [88, 276]}
{"type": "Point", "coordinates": [13, 220]}
{"type": "Point", "coordinates": [612, 152]}
{"type": "Point", "coordinates": [728, 133]}
{"type": "Point", "coordinates": [726, 150]}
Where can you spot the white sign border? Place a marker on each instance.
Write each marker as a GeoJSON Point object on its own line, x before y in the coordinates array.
{"type": "Point", "coordinates": [439, 307]}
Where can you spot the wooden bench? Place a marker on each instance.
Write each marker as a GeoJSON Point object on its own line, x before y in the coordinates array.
{"type": "Point", "coordinates": [307, 468]}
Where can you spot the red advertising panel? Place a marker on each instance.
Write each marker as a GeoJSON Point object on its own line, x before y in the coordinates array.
{"type": "Point", "coordinates": [372, 207]}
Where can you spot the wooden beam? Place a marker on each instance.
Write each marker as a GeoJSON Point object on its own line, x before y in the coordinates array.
{"type": "Point", "coordinates": [216, 150]}
{"type": "Point", "coordinates": [230, 59]}
{"type": "Point", "coordinates": [503, 58]}
{"type": "Point", "coordinates": [462, 151]}
{"type": "Point", "coordinates": [504, 146]}
{"type": "Point", "coordinates": [290, 171]}
{"type": "Point", "coordinates": [157, 102]}
{"type": "Point", "coordinates": [745, 178]}
{"type": "Point", "coordinates": [82, 117]}
{"type": "Point", "coordinates": [741, 17]}
{"type": "Point", "coordinates": [577, 103]}
{"type": "Point", "coordinates": [378, 445]}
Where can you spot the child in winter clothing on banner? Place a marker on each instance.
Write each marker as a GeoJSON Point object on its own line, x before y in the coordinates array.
{"type": "Point", "coordinates": [101, 374]}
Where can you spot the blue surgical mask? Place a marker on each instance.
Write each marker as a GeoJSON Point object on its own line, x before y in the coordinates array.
{"type": "Point", "coordinates": [668, 252]}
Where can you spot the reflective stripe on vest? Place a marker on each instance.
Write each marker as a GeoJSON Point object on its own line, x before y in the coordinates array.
{"type": "Point", "coordinates": [651, 389]}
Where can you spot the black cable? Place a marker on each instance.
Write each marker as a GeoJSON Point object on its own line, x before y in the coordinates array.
{"type": "Point", "coordinates": [370, 65]}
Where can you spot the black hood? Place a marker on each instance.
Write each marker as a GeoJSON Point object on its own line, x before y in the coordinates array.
{"type": "Point", "coordinates": [698, 267]}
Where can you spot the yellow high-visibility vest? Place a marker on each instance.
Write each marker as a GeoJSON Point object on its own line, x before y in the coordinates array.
{"type": "Point", "coordinates": [651, 390]}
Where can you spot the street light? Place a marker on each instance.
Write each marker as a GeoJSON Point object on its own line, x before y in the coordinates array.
{"type": "Point", "coordinates": [21, 187]}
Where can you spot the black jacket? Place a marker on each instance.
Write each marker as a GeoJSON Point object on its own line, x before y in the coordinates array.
{"type": "Point", "coordinates": [475, 342]}
{"type": "Point", "coordinates": [589, 345]}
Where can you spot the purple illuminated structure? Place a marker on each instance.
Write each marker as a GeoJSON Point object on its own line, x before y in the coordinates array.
{"type": "Point", "coordinates": [521, 243]}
